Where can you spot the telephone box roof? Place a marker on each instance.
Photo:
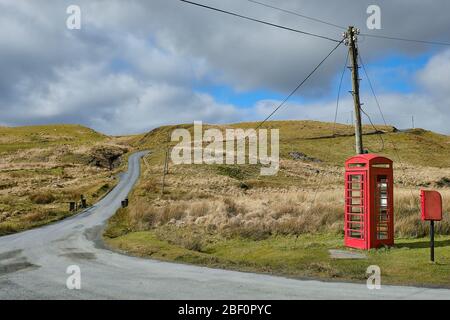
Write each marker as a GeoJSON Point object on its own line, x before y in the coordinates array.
{"type": "Point", "coordinates": [368, 158]}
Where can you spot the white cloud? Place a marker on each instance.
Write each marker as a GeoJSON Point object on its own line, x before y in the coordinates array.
{"type": "Point", "coordinates": [118, 103]}
{"type": "Point", "coordinates": [136, 66]}
{"type": "Point", "coordinates": [435, 77]}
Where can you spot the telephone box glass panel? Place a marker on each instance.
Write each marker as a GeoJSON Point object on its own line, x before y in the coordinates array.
{"type": "Point", "coordinates": [383, 213]}
{"type": "Point", "coordinates": [355, 206]}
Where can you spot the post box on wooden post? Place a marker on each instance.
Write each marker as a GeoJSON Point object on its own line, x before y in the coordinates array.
{"type": "Point", "coordinates": [431, 203]}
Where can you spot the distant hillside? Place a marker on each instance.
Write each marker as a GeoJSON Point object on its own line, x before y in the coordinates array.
{"type": "Point", "coordinates": [414, 147]}
{"type": "Point", "coordinates": [231, 216]}
{"type": "Point", "coordinates": [18, 138]}
{"type": "Point", "coordinates": [42, 168]}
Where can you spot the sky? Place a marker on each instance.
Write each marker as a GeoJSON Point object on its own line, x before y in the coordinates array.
{"type": "Point", "coordinates": [136, 65]}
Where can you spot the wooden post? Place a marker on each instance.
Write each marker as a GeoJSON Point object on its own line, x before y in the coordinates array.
{"type": "Point", "coordinates": [432, 240]}
{"type": "Point", "coordinates": [166, 165]}
{"type": "Point", "coordinates": [83, 202]}
{"type": "Point", "coordinates": [352, 34]}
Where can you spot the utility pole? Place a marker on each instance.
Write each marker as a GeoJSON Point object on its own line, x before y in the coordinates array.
{"type": "Point", "coordinates": [412, 119]}
{"type": "Point", "coordinates": [351, 39]}
{"type": "Point", "coordinates": [163, 180]}
{"type": "Point", "coordinates": [166, 164]}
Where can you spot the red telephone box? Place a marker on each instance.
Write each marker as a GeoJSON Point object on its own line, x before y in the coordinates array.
{"type": "Point", "coordinates": [369, 209]}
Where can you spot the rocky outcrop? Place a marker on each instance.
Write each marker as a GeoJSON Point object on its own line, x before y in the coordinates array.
{"type": "Point", "coordinates": [106, 156]}
{"type": "Point", "coordinates": [303, 157]}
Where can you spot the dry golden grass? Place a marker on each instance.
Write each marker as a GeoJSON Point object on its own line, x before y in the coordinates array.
{"type": "Point", "coordinates": [211, 215]}
{"type": "Point", "coordinates": [305, 198]}
{"type": "Point", "coordinates": [44, 167]}
{"type": "Point", "coordinates": [415, 147]}
{"type": "Point", "coordinates": [42, 197]}
{"type": "Point", "coordinates": [292, 212]}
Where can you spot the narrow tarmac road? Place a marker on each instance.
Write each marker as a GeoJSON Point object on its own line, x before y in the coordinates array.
{"type": "Point", "coordinates": [33, 265]}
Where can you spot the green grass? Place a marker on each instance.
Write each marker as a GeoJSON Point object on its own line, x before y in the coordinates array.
{"type": "Point", "coordinates": [415, 147]}
{"type": "Point", "coordinates": [18, 225]}
{"type": "Point", "coordinates": [35, 184]}
{"type": "Point", "coordinates": [304, 257]}
{"type": "Point", "coordinates": [272, 251]}
{"type": "Point", "coordinates": [21, 138]}
{"type": "Point", "coordinates": [44, 207]}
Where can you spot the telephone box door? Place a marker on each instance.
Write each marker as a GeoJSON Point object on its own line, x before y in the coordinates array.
{"type": "Point", "coordinates": [356, 223]}
{"type": "Point", "coordinates": [383, 215]}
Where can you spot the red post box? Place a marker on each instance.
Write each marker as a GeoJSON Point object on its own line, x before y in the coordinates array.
{"type": "Point", "coordinates": [369, 209]}
{"type": "Point", "coordinates": [431, 202]}
{"type": "Point", "coordinates": [431, 211]}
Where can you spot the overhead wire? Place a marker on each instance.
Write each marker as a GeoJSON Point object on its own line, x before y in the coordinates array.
{"type": "Point", "coordinates": [377, 101]}
{"type": "Point", "coordinates": [260, 21]}
{"type": "Point", "coordinates": [387, 37]}
{"type": "Point", "coordinates": [438, 43]}
{"type": "Point", "coordinates": [334, 125]}
{"type": "Point", "coordinates": [377, 132]}
{"type": "Point", "coordinates": [299, 85]}
{"type": "Point", "coordinates": [296, 14]}
{"type": "Point", "coordinates": [339, 92]}
{"type": "Point", "coordinates": [318, 66]}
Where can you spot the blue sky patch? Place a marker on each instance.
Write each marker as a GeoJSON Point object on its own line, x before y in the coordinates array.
{"type": "Point", "coordinates": [247, 99]}
{"type": "Point", "coordinates": [392, 74]}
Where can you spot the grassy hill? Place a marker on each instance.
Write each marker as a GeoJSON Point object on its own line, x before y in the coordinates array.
{"type": "Point", "coordinates": [228, 216]}
{"type": "Point", "coordinates": [19, 138]}
{"type": "Point", "coordinates": [42, 168]}
{"type": "Point", "coordinates": [415, 147]}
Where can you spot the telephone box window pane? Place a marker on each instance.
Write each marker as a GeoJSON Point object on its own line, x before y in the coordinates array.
{"type": "Point", "coordinates": [358, 210]}
{"type": "Point", "coordinates": [356, 218]}
{"type": "Point", "coordinates": [383, 208]}
{"type": "Point", "coordinates": [356, 193]}
{"type": "Point", "coordinates": [355, 234]}
{"type": "Point", "coordinates": [355, 186]}
{"type": "Point", "coordinates": [381, 165]}
{"type": "Point", "coordinates": [355, 226]}
{"type": "Point", "coordinates": [356, 165]}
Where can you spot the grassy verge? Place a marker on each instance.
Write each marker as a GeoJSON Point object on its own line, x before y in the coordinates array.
{"type": "Point", "coordinates": [306, 256]}
{"type": "Point", "coordinates": [229, 216]}
{"type": "Point", "coordinates": [42, 168]}
{"type": "Point", "coordinates": [47, 207]}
